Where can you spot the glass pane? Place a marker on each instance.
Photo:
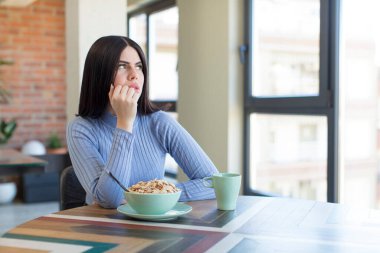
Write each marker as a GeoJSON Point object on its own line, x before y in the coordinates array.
{"type": "Point", "coordinates": [286, 48]}
{"type": "Point", "coordinates": [289, 155]}
{"type": "Point", "coordinates": [137, 30]}
{"type": "Point", "coordinates": [163, 57]}
{"type": "Point", "coordinates": [360, 102]}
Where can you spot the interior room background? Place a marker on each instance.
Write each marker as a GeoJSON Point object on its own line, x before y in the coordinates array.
{"type": "Point", "coordinates": [47, 42]}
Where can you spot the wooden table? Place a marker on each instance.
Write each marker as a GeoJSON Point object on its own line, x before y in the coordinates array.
{"type": "Point", "coordinates": [14, 162]}
{"type": "Point", "coordinates": [259, 224]}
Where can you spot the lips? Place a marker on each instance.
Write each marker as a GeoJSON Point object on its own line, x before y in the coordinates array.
{"type": "Point", "coordinates": [134, 86]}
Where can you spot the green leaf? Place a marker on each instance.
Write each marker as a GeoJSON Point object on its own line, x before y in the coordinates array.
{"type": "Point", "coordinates": [6, 130]}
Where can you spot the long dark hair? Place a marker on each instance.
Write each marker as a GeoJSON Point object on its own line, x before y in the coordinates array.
{"type": "Point", "coordinates": [99, 73]}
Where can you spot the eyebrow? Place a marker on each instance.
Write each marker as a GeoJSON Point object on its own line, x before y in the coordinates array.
{"type": "Point", "coordinates": [125, 62]}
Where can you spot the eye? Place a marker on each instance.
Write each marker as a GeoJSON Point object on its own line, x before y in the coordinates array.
{"type": "Point", "coordinates": [122, 66]}
{"type": "Point", "coordinates": [139, 66]}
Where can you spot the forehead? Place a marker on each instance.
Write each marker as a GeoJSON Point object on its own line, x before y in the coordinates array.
{"type": "Point", "coordinates": [130, 54]}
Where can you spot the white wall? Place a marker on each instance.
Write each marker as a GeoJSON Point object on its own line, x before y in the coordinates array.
{"type": "Point", "coordinates": [86, 21]}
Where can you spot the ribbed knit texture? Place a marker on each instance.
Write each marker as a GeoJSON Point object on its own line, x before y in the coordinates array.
{"type": "Point", "coordinates": [96, 144]}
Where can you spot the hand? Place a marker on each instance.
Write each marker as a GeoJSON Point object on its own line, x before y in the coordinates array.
{"type": "Point", "coordinates": [123, 100]}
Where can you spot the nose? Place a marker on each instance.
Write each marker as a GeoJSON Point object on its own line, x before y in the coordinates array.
{"type": "Point", "coordinates": [132, 75]}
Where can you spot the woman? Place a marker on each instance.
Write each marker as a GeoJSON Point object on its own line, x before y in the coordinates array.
{"type": "Point", "coordinates": [119, 130]}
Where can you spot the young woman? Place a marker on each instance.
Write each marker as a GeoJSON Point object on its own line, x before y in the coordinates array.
{"type": "Point", "coordinates": [118, 129]}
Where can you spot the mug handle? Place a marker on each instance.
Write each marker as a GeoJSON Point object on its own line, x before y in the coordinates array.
{"type": "Point", "coordinates": [206, 182]}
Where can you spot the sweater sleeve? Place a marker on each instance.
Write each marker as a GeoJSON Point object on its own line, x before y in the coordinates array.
{"type": "Point", "coordinates": [89, 165]}
{"type": "Point", "coordinates": [189, 156]}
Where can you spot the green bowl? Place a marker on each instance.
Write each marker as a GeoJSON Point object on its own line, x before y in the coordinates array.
{"type": "Point", "coordinates": [152, 203]}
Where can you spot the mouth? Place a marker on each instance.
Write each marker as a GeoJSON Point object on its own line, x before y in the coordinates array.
{"type": "Point", "coordinates": [134, 86]}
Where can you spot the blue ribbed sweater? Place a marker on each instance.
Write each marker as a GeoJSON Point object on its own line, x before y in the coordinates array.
{"type": "Point", "coordinates": [96, 144]}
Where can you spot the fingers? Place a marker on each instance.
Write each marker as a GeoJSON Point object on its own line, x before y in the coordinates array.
{"type": "Point", "coordinates": [123, 93]}
{"type": "Point", "coordinates": [130, 92]}
{"type": "Point", "coordinates": [136, 96]}
{"type": "Point", "coordinates": [110, 93]}
{"type": "Point", "coordinates": [117, 90]}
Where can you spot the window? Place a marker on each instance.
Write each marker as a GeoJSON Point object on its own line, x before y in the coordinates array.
{"type": "Point", "coordinates": [308, 132]}
{"type": "Point", "coordinates": [286, 48]}
{"type": "Point", "coordinates": [137, 28]}
{"type": "Point", "coordinates": [359, 96]}
{"type": "Point", "coordinates": [284, 164]}
{"type": "Point", "coordinates": [290, 112]}
{"type": "Point", "coordinates": [313, 100]}
{"type": "Point", "coordinates": [163, 44]}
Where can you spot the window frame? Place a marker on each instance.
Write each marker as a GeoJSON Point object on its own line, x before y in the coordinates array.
{"type": "Point", "coordinates": [325, 104]}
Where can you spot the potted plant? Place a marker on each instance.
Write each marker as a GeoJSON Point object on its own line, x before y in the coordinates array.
{"type": "Point", "coordinates": [8, 190]}
{"type": "Point", "coordinates": [5, 95]}
{"type": "Point", "coordinates": [6, 127]}
{"type": "Point", "coordinates": [54, 145]}
{"type": "Point", "coordinates": [6, 130]}
{"type": "Point", "coordinates": [8, 187]}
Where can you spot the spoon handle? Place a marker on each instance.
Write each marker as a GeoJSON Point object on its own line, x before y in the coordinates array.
{"type": "Point", "coordinates": [117, 181]}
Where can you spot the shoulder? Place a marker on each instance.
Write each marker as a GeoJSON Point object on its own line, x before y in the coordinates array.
{"type": "Point", "coordinates": [82, 129]}
{"type": "Point", "coordinates": [165, 125]}
{"type": "Point", "coordinates": [161, 115]}
{"type": "Point", "coordinates": [83, 125]}
{"type": "Point", "coordinates": [79, 122]}
{"type": "Point", "coordinates": [163, 119]}
{"type": "Point", "coordinates": [159, 122]}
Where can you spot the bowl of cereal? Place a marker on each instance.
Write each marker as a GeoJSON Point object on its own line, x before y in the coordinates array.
{"type": "Point", "coordinates": [152, 197]}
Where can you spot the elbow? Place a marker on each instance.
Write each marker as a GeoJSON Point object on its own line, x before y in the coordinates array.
{"type": "Point", "coordinates": [107, 201]}
{"type": "Point", "coordinates": [107, 204]}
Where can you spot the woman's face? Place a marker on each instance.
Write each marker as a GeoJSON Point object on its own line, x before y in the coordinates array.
{"type": "Point", "coordinates": [130, 70]}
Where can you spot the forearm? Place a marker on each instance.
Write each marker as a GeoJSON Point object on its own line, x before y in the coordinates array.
{"type": "Point", "coordinates": [90, 165]}
{"type": "Point", "coordinates": [195, 190]}
{"type": "Point", "coordinates": [108, 193]}
{"type": "Point", "coordinates": [189, 156]}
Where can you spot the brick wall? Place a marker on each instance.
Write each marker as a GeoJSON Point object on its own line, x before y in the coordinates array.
{"type": "Point", "coordinates": [33, 37]}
